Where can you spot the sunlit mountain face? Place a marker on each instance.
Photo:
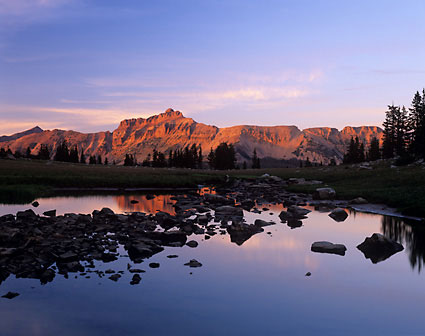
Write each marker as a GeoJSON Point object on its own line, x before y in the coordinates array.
{"type": "Point", "coordinates": [171, 130]}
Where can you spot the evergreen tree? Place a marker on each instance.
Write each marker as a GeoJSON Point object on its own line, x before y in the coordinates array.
{"type": "Point", "coordinates": [92, 160]}
{"type": "Point", "coordinates": [2, 153]}
{"type": "Point", "coordinates": [308, 163]}
{"type": "Point", "coordinates": [106, 161]}
{"type": "Point", "coordinates": [28, 153]}
{"type": "Point", "coordinates": [99, 160]}
{"type": "Point", "coordinates": [43, 153]}
{"type": "Point", "coordinates": [244, 165]}
{"type": "Point", "coordinates": [82, 157]}
{"type": "Point", "coordinates": [62, 152]}
{"type": "Point", "coordinates": [224, 157]}
{"type": "Point", "coordinates": [374, 151]}
{"type": "Point", "coordinates": [388, 147]}
{"type": "Point", "coordinates": [255, 160]}
{"type": "Point", "coordinates": [73, 154]}
{"type": "Point", "coordinates": [416, 122]}
{"type": "Point", "coordinates": [211, 159]}
{"type": "Point", "coordinates": [17, 154]}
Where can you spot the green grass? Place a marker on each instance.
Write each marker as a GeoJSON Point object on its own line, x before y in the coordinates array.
{"type": "Point", "coordinates": [22, 180]}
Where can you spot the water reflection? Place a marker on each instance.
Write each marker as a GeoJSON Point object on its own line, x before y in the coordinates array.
{"type": "Point", "coordinates": [145, 203]}
{"type": "Point", "coordinates": [410, 234]}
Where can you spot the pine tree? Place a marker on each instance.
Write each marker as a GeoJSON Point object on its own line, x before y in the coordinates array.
{"type": "Point", "coordinates": [388, 147]}
{"type": "Point", "coordinates": [28, 153]}
{"type": "Point", "coordinates": [211, 159]}
{"type": "Point", "coordinates": [62, 152]}
{"type": "Point", "coordinates": [106, 161]}
{"type": "Point", "coordinates": [43, 153]}
{"type": "Point", "coordinates": [82, 157]}
{"type": "Point", "coordinates": [416, 122]}
{"type": "Point", "coordinates": [73, 154]}
{"type": "Point", "coordinates": [374, 151]}
{"type": "Point", "coordinates": [244, 166]}
{"type": "Point", "coordinates": [255, 160]}
{"type": "Point", "coordinates": [200, 158]}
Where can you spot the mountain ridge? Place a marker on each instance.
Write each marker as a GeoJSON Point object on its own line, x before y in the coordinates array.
{"type": "Point", "coordinates": [171, 130]}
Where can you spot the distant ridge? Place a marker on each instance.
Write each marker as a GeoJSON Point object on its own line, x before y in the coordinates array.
{"type": "Point", "coordinates": [15, 136]}
{"type": "Point", "coordinates": [171, 130]}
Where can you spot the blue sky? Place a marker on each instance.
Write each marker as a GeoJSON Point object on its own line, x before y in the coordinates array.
{"type": "Point", "coordinates": [86, 65]}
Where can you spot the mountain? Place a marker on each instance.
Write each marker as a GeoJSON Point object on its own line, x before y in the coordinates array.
{"type": "Point", "coordinates": [15, 136]}
{"type": "Point", "coordinates": [171, 130]}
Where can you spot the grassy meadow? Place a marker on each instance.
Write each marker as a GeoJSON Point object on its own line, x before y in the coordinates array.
{"type": "Point", "coordinates": [21, 181]}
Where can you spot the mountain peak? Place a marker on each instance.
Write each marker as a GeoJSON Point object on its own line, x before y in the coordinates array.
{"type": "Point", "coordinates": [171, 113]}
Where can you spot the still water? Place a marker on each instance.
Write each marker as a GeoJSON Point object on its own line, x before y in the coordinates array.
{"type": "Point", "coordinates": [258, 288]}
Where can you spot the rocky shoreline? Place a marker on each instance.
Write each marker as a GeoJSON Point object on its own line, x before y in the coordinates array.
{"type": "Point", "coordinates": [42, 247]}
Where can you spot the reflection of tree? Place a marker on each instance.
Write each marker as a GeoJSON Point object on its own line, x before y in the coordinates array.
{"type": "Point", "coordinates": [410, 234]}
{"type": "Point", "coordinates": [159, 203]}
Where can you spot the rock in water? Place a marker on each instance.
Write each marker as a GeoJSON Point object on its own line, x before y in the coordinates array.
{"type": "Point", "coordinates": [327, 247]}
{"type": "Point", "coordinates": [358, 200]}
{"type": "Point", "coordinates": [35, 204]}
{"type": "Point", "coordinates": [192, 243]}
{"type": "Point", "coordinates": [338, 215]}
{"type": "Point", "coordinates": [154, 265]}
{"type": "Point", "coordinates": [324, 194]}
{"type": "Point", "coordinates": [378, 248]}
{"type": "Point", "coordinates": [10, 295]}
{"type": "Point", "coordinates": [193, 263]}
{"type": "Point", "coordinates": [50, 213]}
{"type": "Point", "coordinates": [136, 279]}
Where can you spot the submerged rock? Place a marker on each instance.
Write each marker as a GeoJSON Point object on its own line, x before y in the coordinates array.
{"type": "Point", "coordinates": [327, 247]}
{"type": "Point", "coordinates": [338, 215]}
{"type": "Point", "coordinates": [192, 243]}
{"type": "Point", "coordinates": [378, 248]}
{"type": "Point", "coordinates": [35, 204]}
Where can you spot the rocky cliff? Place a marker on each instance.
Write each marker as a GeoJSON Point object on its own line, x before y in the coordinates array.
{"type": "Point", "coordinates": [171, 130]}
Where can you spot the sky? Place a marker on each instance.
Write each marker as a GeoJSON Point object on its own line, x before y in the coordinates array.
{"type": "Point", "coordinates": [88, 64]}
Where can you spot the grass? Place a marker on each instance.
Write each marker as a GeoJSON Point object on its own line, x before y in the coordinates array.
{"type": "Point", "coordinates": [402, 187]}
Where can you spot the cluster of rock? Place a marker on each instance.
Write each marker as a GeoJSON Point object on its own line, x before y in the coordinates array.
{"type": "Point", "coordinates": [34, 246]}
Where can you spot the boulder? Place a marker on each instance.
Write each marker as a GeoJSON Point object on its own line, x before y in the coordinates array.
{"type": "Point", "coordinates": [327, 247]}
{"type": "Point", "coordinates": [27, 214]}
{"type": "Point", "coordinates": [297, 212]}
{"type": "Point", "coordinates": [10, 295]}
{"type": "Point", "coordinates": [324, 194]}
{"type": "Point", "coordinates": [218, 199]}
{"type": "Point", "coordinates": [240, 233]}
{"type": "Point", "coordinates": [136, 279]}
{"type": "Point", "coordinates": [378, 248]}
{"type": "Point", "coordinates": [338, 215]}
{"type": "Point", "coordinates": [35, 204]}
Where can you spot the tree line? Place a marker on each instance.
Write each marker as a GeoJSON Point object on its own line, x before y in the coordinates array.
{"type": "Point", "coordinates": [403, 136]}
{"type": "Point", "coordinates": [222, 158]}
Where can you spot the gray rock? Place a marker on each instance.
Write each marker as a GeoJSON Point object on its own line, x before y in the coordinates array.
{"type": "Point", "coordinates": [262, 223]}
{"type": "Point", "coordinates": [378, 248]}
{"type": "Point", "coordinates": [324, 194]}
{"type": "Point", "coordinates": [136, 279]}
{"type": "Point", "coordinates": [358, 200]}
{"type": "Point", "coordinates": [193, 263]}
{"type": "Point", "coordinates": [154, 265]}
{"type": "Point", "coordinates": [192, 243]}
{"type": "Point", "coordinates": [327, 247]}
{"type": "Point", "coordinates": [35, 204]}
{"type": "Point", "coordinates": [338, 215]}
{"type": "Point", "coordinates": [227, 210]}
{"type": "Point", "coordinates": [115, 277]}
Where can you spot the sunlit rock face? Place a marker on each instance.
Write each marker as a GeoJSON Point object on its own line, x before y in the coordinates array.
{"type": "Point", "coordinates": [171, 130]}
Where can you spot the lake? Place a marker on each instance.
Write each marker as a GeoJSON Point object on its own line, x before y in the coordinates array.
{"type": "Point", "coordinates": [258, 288]}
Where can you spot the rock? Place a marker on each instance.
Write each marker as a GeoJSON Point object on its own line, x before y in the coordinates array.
{"type": "Point", "coordinates": [136, 279]}
{"type": "Point", "coordinates": [262, 223]}
{"type": "Point", "coordinates": [240, 233]}
{"type": "Point", "coordinates": [327, 247]}
{"type": "Point", "coordinates": [10, 295]}
{"type": "Point", "coordinates": [115, 277]}
{"type": "Point", "coordinates": [358, 200]}
{"type": "Point", "coordinates": [247, 204]}
{"type": "Point", "coordinates": [297, 212]}
{"type": "Point", "coordinates": [172, 256]}
{"type": "Point", "coordinates": [228, 211]}
{"type": "Point", "coordinates": [143, 249]}
{"type": "Point", "coordinates": [338, 214]}
{"type": "Point", "coordinates": [324, 194]}
{"type": "Point", "coordinates": [193, 263]}
{"type": "Point", "coordinates": [47, 276]}
{"type": "Point", "coordinates": [150, 196]}
{"type": "Point", "coordinates": [295, 180]}
{"type": "Point", "coordinates": [378, 248]}
{"type": "Point", "coordinates": [308, 274]}
{"type": "Point", "coordinates": [35, 204]}
{"type": "Point", "coordinates": [154, 265]}
{"type": "Point", "coordinates": [27, 214]}
{"type": "Point", "coordinates": [218, 199]}
{"type": "Point", "coordinates": [192, 243]}
{"type": "Point", "coordinates": [50, 213]}
{"type": "Point", "coordinates": [294, 223]}
{"type": "Point", "coordinates": [136, 270]}
{"type": "Point", "coordinates": [68, 256]}
{"type": "Point", "coordinates": [134, 201]}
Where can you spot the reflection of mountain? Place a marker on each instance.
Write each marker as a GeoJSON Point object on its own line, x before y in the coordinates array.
{"type": "Point", "coordinates": [159, 203]}
{"type": "Point", "coordinates": [411, 236]}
